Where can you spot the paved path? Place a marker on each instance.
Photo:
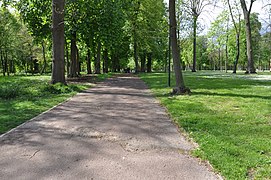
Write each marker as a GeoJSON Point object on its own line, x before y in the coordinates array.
{"type": "Point", "coordinates": [116, 130]}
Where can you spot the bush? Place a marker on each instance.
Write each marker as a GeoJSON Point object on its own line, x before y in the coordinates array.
{"type": "Point", "coordinates": [57, 88]}
{"type": "Point", "coordinates": [10, 91]}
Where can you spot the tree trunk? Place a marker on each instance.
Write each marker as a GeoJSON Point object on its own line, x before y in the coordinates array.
{"type": "Point", "coordinates": [149, 63]}
{"type": "Point", "coordinates": [78, 63]}
{"type": "Point", "coordinates": [74, 64]}
{"type": "Point", "coordinates": [67, 59]}
{"type": "Point", "coordinates": [114, 66]}
{"type": "Point", "coordinates": [143, 61]}
{"type": "Point", "coordinates": [2, 62]}
{"type": "Point", "coordinates": [105, 70]}
{"type": "Point", "coordinates": [180, 86]}
{"type": "Point", "coordinates": [118, 62]}
{"type": "Point", "coordinates": [195, 18]}
{"type": "Point", "coordinates": [7, 63]}
{"type": "Point", "coordinates": [250, 63]}
{"type": "Point", "coordinates": [227, 54]}
{"type": "Point", "coordinates": [136, 57]}
{"type": "Point", "coordinates": [238, 53]}
{"type": "Point", "coordinates": [44, 58]}
{"type": "Point", "coordinates": [98, 59]}
{"type": "Point", "coordinates": [237, 30]}
{"type": "Point", "coordinates": [58, 72]}
{"type": "Point", "coordinates": [88, 62]}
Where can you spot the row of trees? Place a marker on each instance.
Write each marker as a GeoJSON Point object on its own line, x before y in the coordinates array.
{"type": "Point", "coordinates": [110, 35]}
{"type": "Point", "coordinates": [105, 33]}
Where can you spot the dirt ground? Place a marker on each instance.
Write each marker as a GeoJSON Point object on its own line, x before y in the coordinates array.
{"type": "Point", "coordinates": [116, 130]}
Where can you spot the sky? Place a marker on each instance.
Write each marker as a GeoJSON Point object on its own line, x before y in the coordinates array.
{"type": "Point", "coordinates": [206, 18]}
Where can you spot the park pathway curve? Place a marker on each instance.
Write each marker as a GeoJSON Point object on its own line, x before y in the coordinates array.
{"type": "Point", "coordinates": [116, 130]}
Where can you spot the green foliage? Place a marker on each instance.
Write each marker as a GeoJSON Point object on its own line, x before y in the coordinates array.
{"type": "Point", "coordinates": [228, 116]}
{"type": "Point", "coordinates": [37, 16]}
{"type": "Point", "coordinates": [10, 91]}
{"type": "Point", "coordinates": [57, 88]}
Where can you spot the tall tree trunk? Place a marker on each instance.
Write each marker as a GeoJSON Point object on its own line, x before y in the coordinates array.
{"type": "Point", "coordinates": [98, 59]}
{"type": "Point", "coordinates": [2, 63]}
{"type": "Point", "coordinates": [78, 63]}
{"type": "Point", "coordinates": [136, 57]}
{"type": "Point", "coordinates": [7, 63]}
{"type": "Point", "coordinates": [58, 72]}
{"type": "Point", "coordinates": [220, 58]}
{"type": "Point", "coordinates": [180, 86]}
{"type": "Point", "coordinates": [237, 53]}
{"type": "Point", "coordinates": [250, 65]}
{"type": "Point", "coordinates": [237, 30]}
{"type": "Point", "coordinates": [67, 59]}
{"type": "Point", "coordinates": [88, 62]}
{"type": "Point", "coordinates": [143, 61]}
{"type": "Point", "coordinates": [105, 61]}
{"type": "Point", "coordinates": [247, 12]}
{"type": "Point", "coordinates": [195, 18]}
{"type": "Point", "coordinates": [11, 67]}
{"type": "Point", "coordinates": [227, 54]}
{"type": "Point", "coordinates": [149, 63]}
{"type": "Point", "coordinates": [114, 65]}
{"type": "Point", "coordinates": [118, 62]}
{"type": "Point", "coordinates": [166, 60]}
{"type": "Point", "coordinates": [74, 64]}
{"type": "Point", "coordinates": [44, 58]}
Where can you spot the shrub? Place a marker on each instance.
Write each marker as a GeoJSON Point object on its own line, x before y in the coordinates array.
{"type": "Point", "coordinates": [57, 88]}
{"type": "Point", "coordinates": [10, 91]}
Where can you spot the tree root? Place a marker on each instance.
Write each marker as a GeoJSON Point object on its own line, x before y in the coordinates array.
{"type": "Point", "coordinates": [181, 91]}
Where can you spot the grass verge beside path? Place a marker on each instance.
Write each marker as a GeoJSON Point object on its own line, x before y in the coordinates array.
{"type": "Point", "coordinates": [228, 115]}
{"type": "Point", "coordinates": [24, 97]}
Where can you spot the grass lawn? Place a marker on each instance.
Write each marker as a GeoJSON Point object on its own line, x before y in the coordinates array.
{"type": "Point", "coordinates": [24, 97]}
{"type": "Point", "coordinates": [228, 115]}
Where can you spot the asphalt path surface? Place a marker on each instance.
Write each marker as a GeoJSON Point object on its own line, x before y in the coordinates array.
{"type": "Point", "coordinates": [116, 130]}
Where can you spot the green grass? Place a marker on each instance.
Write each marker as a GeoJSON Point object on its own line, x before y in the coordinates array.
{"type": "Point", "coordinates": [24, 97]}
{"type": "Point", "coordinates": [228, 115]}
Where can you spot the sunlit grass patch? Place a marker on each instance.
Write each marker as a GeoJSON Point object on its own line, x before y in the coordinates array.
{"type": "Point", "coordinates": [228, 115]}
{"type": "Point", "coordinates": [24, 97]}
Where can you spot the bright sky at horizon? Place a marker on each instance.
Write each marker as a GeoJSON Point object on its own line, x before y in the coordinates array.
{"type": "Point", "coordinates": [206, 18]}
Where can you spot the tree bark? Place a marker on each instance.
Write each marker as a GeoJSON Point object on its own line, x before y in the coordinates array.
{"type": "Point", "coordinates": [136, 57]}
{"type": "Point", "coordinates": [114, 65]}
{"type": "Point", "coordinates": [105, 70]}
{"type": "Point", "coordinates": [73, 67]}
{"type": "Point", "coordinates": [67, 59]}
{"type": "Point", "coordinates": [149, 63]}
{"type": "Point", "coordinates": [2, 62]}
{"type": "Point", "coordinates": [44, 58]}
{"type": "Point", "coordinates": [195, 18]}
{"type": "Point", "coordinates": [88, 62]}
{"type": "Point", "coordinates": [78, 63]}
{"type": "Point", "coordinates": [143, 61]}
{"type": "Point", "coordinates": [237, 54]}
{"type": "Point", "coordinates": [98, 59]}
{"type": "Point", "coordinates": [180, 86]}
{"type": "Point", "coordinates": [247, 12]}
{"type": "Point", "coordinates": [58, 72]}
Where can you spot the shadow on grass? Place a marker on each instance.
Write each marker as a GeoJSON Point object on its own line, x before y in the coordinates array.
{"type": "Point", "coordinates": [232, 95]}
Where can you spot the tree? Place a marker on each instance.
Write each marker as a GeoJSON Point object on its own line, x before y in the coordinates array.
{"type": "Point", "coordinates": [37, 16]}
{"type": "Point", "coordinates": [58, 68]}
{"type": "Point", "coordinates": [218, 33]}
{"type": "Point", "coordinates": [195, 8]}
{"type": "Point", "coordinates": [247, 13]}
{"type": "Point", "coordinates": [237, 28]}
{"type": "Point", "coordinates": [180, 85]}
